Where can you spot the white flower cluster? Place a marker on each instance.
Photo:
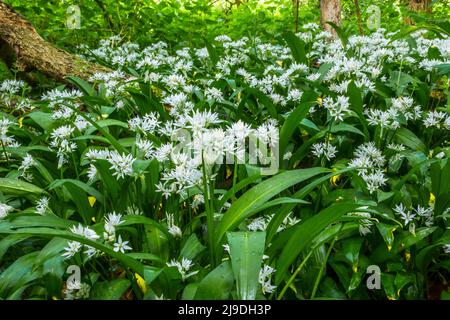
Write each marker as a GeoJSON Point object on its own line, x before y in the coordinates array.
{"type": "Point", "coordinates": [5, 210]}
{"type": "Point", "coordinates": [109, 234]}
{"type": "Point", "coordinates": [183, 267]}
{"type": "Point", "coordinates": [415, 216]}
{"type": "Point", "coordinates": [76, 290]}
{"type": "Point", "coordinates": [265, 275]}
{"type": "Point", "coordinates": [261, 223]}
{"type": "Point", "coordinates": [370, 161]}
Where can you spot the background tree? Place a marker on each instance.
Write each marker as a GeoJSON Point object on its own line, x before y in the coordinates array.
{"type": "Point", "coordinates": [330, 10]}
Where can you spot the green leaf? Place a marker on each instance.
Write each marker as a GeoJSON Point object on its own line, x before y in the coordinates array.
{"type": "Point", "coordinates": [387, 232]}
{"type": "Point", "coordinates": [303, 234]}
{"type": "Point", "coordinates": [109, 290]}
{"type": "Point", "coordinates": [83, 85]}
{"type": "Point", "coordinates": [246, 251]}
{"type": "Point", "coordinates": [297, 47]}
{"type": "Point", "coordinates": [217, 284]}
{"type": "Point", "coordinates": [409, 139]}
{"type": "Point", "coordinates": [50, 233]}
{"type": "Point", "coordinates": [258, 195]}
{"type": "Point", "coordinates": [339, 32]}
{"type": "Point", "coordinates": [43, 119]}
{"type": "Point", "coordinates": [18, 187]}
{"type": "Point", "coordinates": [81, 185]}
{"type": "Point", "coordinates": [192, 248]}
{"type": "Point", "coordinates": [292, 122]}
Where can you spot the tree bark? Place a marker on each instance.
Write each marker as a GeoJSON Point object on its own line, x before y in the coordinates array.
{"type": "Point", "coordinates": [358, 16]}
{"type": "Point", "coordinates": [419, 5]}
{"type": "Point", "coordinates": [330, 10]}
{"type": "Point", "coordinates": [28, 51]}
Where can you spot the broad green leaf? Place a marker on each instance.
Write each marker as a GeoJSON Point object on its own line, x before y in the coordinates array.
{"type": "Point", "coordinates": [217, 284]}
{"type": "Point", "coordinates": [260, 194]}
{"type": "Point", "coordinates": [297, 47]}
{"type": "Point", "coordinates": [192, 248]}
{"type": "Point", "coordinates": [19, 187]}
{"type": "Point", "coordinates": [246, 252]}
{"type": "Point", "coordinates": [303, 234]}
{"type": "Point", "coordinates": [109, 290]}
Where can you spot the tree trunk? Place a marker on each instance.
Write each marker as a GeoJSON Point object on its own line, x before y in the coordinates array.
{"type": "Point", "coordinates": [419, 5]}
{"type": "Point", "coordinates": [358, 17]}
{"type": "Point", "coordinates": [22, 45]}
{"type": "Point", "coordinates": [330, 10]}
{"type": "Point", "coordinates": [295, 6]}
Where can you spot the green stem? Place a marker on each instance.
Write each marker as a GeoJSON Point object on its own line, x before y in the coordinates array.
{"type": "Point", "coordinates": [322, 268]}
{"type": "Point", "coordinates": [294, 275]}
{"type": "Point", "coordinates": [6, 154]}
{"type": "Point", "coordinates": [209, 215]}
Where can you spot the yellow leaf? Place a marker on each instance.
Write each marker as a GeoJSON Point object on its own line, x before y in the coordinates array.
{"type": "Point", "coordinates": [55, 298]}
{"type": "Point", "coordinates": [432, 199]}
{"type": "Point", "coordinates": [229, 172]}
{"type": "Point", "coordinates": [20, 121]}
{"type": "Point", "coordinates": [92, 200]}
{"type": "Point", "coordinates": [319, 101]}
{"type": "Point", "coordinates": [407, 256]}
{"type": "Point", "coordinates": [335, 180]}
{"type": "Point", "coordinates": [93, 219]}
{"type": "Point", "coordinates": [141, 283]}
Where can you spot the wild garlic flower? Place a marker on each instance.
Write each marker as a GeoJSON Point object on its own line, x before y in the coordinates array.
{"type": "Point", "coordinates": [74, 246]}
{"type": "Point", "coordinates": [325, 149]}
{"type": "Point", "coordinates": [11, 87]}
{"type": "Point", "coordinates": [42, 205]}
{"type": "Point", "coordinates": [76, 290]}
{"type": "Point", "coordinates": [338, 108]}
{"type": "Point", "coordinates": [111, 222]}
{"type": "Point", "coordinates": [369, 161]}
{"type": "Point", "coordinates": [122, 165]}
{"type": "Point", "coordinates": [121, 246]}
{"type": "Point", "coordinates": [265, 275]}
{"type": "Point", "coordinates": [183, 267]}
{"type": "Point", "coordinates": [5, 210]}
{"type": "Point", "coordinates": [172, 228]}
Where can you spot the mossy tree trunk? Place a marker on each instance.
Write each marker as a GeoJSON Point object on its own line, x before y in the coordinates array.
{"type": "Point", "coordinates": [330, 10]}
{"type": "Point", "coordinates": [23, 47]}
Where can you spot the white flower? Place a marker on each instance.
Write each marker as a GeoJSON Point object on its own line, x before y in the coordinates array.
{"type": "Point", "coordinates": [183, 267]}
{"type": "Point", "coordinates": [338, 109]}
{"type": "Point", "coordinates": [406, 215]}
{"type": "Point", "coordinates": [11, 87]}
{"type": "Point", "coordinates": [27, 163]}
{"type": "Point", "coordinates": [85, 232]}
{"type": "Point", "coordinates": [264, 279]}
{"type": "Point", "coordinates": [258, 224]}
{"type": "Point", "coordinates": [42, 205]}
{"type": "Point", "coordinates": [173, 229]}
{"type": "Point", "coordinates": [5, 210]}
{"type": "Point", "coordinates": [72, 249]}
{"type": "Point", "coordinates": [446, 248]}
{"type": "Point", "coordinates": [121, 164]}
{"type": "Point", "coordinates": [121, 245]}
{"type": "Point", "coordinates": [76, 290]}
{"type": "Point", "coordinates": [325, 149]}
{"type": "Point", "coordinates": [114, 219]}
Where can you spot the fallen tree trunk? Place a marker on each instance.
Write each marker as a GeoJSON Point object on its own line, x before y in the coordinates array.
{"type": "Point", "coordinates": [21, 45]}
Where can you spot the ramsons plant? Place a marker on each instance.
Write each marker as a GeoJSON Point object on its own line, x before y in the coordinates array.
{"type": "Point", "coordinates": [151, 180]}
